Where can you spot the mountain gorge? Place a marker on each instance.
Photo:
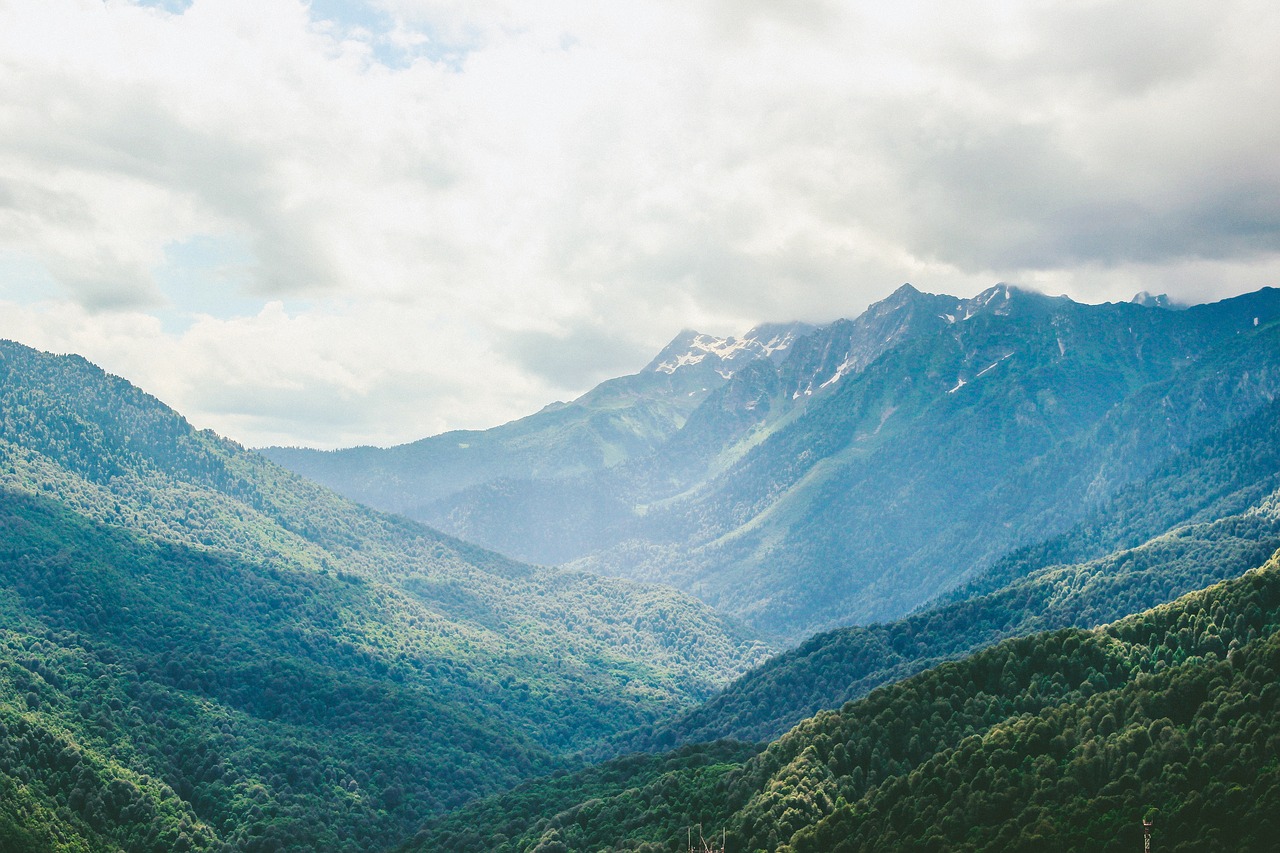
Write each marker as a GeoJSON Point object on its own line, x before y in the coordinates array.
{"type": "Point", "coordinates": [868, 465]}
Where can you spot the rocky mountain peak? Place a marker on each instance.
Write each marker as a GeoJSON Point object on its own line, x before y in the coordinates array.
{"type": "Point", "coordinates": [1145, 299]}
{"type": "Point", "coordinates": [692, 349]}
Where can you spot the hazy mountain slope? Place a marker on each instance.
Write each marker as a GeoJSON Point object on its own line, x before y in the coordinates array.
{"type": "Point", "coordinates": [188, 605]}
{"type": "Point", "coordinates": [1206, 514]}
{"type": "Point", "coordinates": [1229, 473]}
{"type": "Point", "coordinates": [1063, 739]}
{"type": "Point", "coordinates": [557, 519]}
{"type": "Point", "coordinates": [904, 480]}
{"type": "Point", "coordinates": [617, 420]}
{"type": "Point", "coordinates": [878, 462]}
{"type": "Point", "coordinates": [830, 669]}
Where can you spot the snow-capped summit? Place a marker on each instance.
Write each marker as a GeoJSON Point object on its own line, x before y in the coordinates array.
{"type": "Point", "coordinates": [725, 355]}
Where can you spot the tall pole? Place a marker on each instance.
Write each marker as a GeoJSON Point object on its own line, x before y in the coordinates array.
{"type": "Point", "coordinates": [1146, 836]}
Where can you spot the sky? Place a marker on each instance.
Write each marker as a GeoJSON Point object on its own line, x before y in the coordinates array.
{"type": "Point", "coordinates": [343, 223]}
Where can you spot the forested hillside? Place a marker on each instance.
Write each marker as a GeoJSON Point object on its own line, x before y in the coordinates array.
{"type": "Point", "coordinates": [199, 648]}
{"type": "Point", "coordinates": [1062, 740]}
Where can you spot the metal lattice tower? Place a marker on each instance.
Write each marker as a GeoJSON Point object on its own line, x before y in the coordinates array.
{"type": "Point", "coordinates": [705, 846]}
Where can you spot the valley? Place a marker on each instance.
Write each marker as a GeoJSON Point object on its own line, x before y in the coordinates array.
{"type": "Point", "coordinates": [274, 666]}
{"type": "Point", "coordinates": [976, 574]}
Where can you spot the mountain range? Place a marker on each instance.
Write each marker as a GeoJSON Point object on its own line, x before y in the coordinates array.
{"type": "Point", "coordinates": [1040, 538]}
{"type": "Point", "coordinates": [803, 478]}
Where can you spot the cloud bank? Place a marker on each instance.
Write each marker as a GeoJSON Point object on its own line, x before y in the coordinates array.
{"type": "Point", "coordinates": [338, 223]}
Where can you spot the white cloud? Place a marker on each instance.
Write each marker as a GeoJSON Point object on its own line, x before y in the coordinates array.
{"type": "Point", "coordinates": [341, 375]}
{"type": "Point", "coordinates": [473, 208]}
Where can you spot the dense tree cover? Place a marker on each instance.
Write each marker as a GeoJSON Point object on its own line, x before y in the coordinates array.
{"type": "Point", "coordinates": [1063, 739]}
{"type": "Point", "coordinates": [242, 684]}
{"type": "Point", "coordinates": [634, 802]}
{"type": "Point", "coordinates": [58, 794]}
{"type": "Point", "coordinates": [1195, 746]}
{"type": "Point", "coordinates": [300, 672]}
{"type": "Point", "coordinates": [1179, 511]}
{"type": "Point", "coordinates": [1187, 725]}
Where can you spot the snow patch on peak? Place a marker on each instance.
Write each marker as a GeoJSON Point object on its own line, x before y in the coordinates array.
{"type": "Point", "coordinates": [996, 298]}
{"type": "Point", "coordinates": [691, 348]}
{"type": "Point", "coordinates": [682, 360]}
{"type": "Point", "coordinates": [1000, 300]}
{"type": "Point", "coordinates": [774, 340]}
{"type": "Point", "coordinates": [846, 367]}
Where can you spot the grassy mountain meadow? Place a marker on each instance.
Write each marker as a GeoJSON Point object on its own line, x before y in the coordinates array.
{"type": "Point", "coordinates": [868, 466]}
{"type": "Point", "coordinates": [199, 648]}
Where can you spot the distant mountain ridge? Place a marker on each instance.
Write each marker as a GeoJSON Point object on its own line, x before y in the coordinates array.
{"type": "Point", "coordinates": [866, 466]}
{"type": "Point", "coordinates": [620, 419]}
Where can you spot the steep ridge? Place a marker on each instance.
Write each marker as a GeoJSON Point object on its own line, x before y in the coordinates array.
{"type": "Point", "coordinates": [241, 658]}
{"type": "Point", "coordinates": [1065, 739]}
{"type": "Point", "coordinates": [878, 462]}
{"type": "Point", "coordinates": [949, 450]}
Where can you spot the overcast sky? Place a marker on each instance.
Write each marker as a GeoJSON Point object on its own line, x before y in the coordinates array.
{"type": "Point", "coordinates": [367, 222]}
